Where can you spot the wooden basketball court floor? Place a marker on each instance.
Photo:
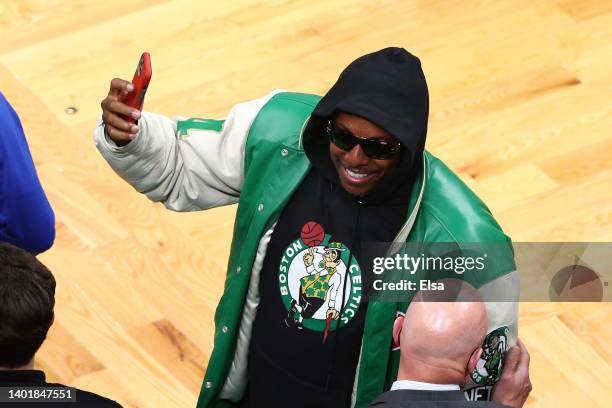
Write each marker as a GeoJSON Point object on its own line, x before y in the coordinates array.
{"type": "Point", "coordinates": [520, 109]}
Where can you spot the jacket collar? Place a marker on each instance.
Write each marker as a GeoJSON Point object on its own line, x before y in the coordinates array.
{"type": "Point", "coordinates": [423, 386]}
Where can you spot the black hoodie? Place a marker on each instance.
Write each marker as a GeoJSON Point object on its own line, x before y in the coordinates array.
{"type": "Point", "coordinates": [387, 88]}
{"type": "Point", "coordinates": [315, 265]}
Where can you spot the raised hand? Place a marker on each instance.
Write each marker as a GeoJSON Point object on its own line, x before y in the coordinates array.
{"type": "Point", "coordinates": [308, 258]}
{"type": "Point", "coordinates": [114, 113]}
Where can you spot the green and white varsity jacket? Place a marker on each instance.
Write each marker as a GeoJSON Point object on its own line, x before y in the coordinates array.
{"type": "Point", "coordinates": [255, 158]}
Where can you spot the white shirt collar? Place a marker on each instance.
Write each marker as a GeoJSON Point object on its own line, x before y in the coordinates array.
{"type": "Point", "coordinates": [417, 385]}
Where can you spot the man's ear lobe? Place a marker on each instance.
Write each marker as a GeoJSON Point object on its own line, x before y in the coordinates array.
{"type": "Point", "coordinates": [397, 328]}
{"type": "Point", "coordinates": [473, 361]}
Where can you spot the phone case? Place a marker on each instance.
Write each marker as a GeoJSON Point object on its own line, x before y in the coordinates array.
{"type": "Point", "coordinates": [141, 80]}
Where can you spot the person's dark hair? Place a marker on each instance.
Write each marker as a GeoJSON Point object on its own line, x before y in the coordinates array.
{"type": "Point", "coordinates": [27, 298]}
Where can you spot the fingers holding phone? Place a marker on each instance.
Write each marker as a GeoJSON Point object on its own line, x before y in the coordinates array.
{"type": "Point", "coordinates": [115, 113]}
{"type": "Point", "coordinates": [121, 107]}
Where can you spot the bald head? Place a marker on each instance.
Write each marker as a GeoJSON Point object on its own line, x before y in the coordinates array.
{"type": "Point", "coordinates": [440, 334]}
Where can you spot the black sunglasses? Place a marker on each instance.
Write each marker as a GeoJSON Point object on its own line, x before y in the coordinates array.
{"type": "Point", "coordinates": [374, 148]}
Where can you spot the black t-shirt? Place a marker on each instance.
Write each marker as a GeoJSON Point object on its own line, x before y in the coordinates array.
{"type": "Point", "coordinates": [309, 325]}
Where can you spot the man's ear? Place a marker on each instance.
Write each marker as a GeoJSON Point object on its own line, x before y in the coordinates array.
{"type": "Point", "coordinates": [397, 328]}
{"type": "Point", "coordinates": [474, 359]}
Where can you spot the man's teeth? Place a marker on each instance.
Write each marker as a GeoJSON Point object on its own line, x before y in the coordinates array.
{"type": "Point", "coordinates": [357, 175]}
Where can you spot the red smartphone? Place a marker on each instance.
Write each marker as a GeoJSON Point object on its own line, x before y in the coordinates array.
{"type": "Point", "coordinates": [141, 80]}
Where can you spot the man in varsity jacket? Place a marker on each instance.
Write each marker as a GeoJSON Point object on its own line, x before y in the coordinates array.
{"type": "Point", "coordinates": [309, 172]}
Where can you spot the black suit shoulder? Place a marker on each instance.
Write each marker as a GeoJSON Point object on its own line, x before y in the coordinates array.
{"type": "Point", "coordinates": [95, 400]}
{"type": "Point", "coordinates": [88, 399]}
{"type": "Point", "coordinates": [439, 404]}
{"type": "Point", "coordinates": [428, 399]}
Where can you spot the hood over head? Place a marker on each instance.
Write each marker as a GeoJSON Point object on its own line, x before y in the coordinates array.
{"type": "Point", "coordinates": [387, 88]}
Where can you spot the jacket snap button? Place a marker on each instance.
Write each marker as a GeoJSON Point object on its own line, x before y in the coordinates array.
{"type": "Point", "coordinates": [224, 329]}
{"type": "Point", "coordinates": [208, 384]}
{"type": "Point", "coordinates": [238, 269]}
{"type": "Point", "coordinates": [260, 207]}
{"type": "Point", "coordinates": [284, 152]}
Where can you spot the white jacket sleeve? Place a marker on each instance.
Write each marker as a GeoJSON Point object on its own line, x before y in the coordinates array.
{"type": "Point", "coordinates": [194, 171]}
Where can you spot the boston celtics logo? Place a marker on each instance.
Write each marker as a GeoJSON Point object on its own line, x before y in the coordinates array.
{"type": "Point", "coordinates": [491, 363]}
{"type": "Point", "coordinates": [319, 281]}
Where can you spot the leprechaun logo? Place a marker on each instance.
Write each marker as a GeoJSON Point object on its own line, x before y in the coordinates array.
{"type": "Point", "coordinates": [491, 363]}
{"type": "Point", "coordinates": [319, 281]}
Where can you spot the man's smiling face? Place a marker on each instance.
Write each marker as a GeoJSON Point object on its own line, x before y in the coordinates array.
{"type": "Point", "coordinates": [359, 173]}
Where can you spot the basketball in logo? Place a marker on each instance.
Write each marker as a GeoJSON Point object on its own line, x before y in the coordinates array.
{"type": "Point", "coordinates": [312, 234]}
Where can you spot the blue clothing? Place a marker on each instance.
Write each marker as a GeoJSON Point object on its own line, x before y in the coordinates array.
{"type": "Point", "coordinates": [26, 218]}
